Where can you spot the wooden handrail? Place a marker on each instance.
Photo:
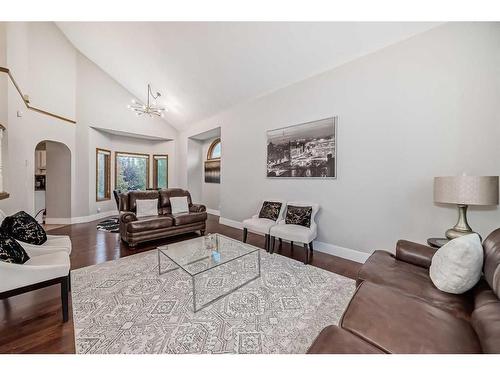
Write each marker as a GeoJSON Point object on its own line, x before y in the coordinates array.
{"type": "Point", "coordinates": [26, 102]}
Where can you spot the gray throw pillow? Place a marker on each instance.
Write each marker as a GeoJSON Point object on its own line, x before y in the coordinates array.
{"type": "Point", "coordinates": [456, 267]}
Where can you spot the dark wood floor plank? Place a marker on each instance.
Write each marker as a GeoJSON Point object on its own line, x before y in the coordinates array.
{"type": "Point", "coordinates": [32, 322]}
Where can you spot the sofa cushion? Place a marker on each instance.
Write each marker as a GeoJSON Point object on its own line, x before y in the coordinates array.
{"type": "Point", "coordinates": [24, 227]}
{"type": "Point", "coordinates": [259, 225]}
{"type": "Point", "coordinates": [150, 223]}
{"type": "Point", "coordinates": [486, 323]}
{"type": "Point", "coordinates": [292, 232]}
{"type": "Point", "coordinates": [483, 294]}
{"type": "Point", "coordinates": [384, 269]}
{"type": "Point", "coordinates": [189, 218]}
{"type": "Point", "coordinates": [398, 323]}
{"type": "Point", "coordinates": [335, 340]}
{"type": "Point", "coordinates": [491, 269]}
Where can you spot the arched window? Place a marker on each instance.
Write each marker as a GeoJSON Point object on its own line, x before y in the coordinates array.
{"type": "Point", "coordinates": [214, 151]}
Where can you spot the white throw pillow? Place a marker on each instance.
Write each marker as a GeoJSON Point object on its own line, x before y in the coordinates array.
{"type": "Point", "coordinates": [146, 207]}
{"type": "Point", "coordinates": [456, 267]}
{"type": "Point", "coordinates": [179, 205]}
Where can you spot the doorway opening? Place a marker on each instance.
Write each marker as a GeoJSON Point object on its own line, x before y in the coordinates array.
{"type": "Point", "coordinates": [52, 183]}
{"type": "Point", "coordinates": [205, 155]}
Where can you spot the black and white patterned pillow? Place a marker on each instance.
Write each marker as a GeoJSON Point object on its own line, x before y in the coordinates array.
{"type": "Point", "coordinates": [25, 228]}
{"type": "Point", "coordinates": [299, 215]}
{"type": "Point", "coordinates": [11, 251]}
{"type": "Point", "coordinates": [270, 210]}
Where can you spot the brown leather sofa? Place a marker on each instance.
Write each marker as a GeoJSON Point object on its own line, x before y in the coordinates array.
{"type": "Point", "coordinates": [397, 309]}
{"type": "Point", "coordinates": [134, 230]}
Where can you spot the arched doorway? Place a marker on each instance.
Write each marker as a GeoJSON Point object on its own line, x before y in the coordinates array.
{"type": "Point", "coordinates": [52, 182]}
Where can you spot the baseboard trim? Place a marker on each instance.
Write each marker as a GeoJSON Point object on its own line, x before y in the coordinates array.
{"type": "Point", "coordinates": [80, 219]}
{"type": "Point", "coordinates": [327, 248]}
{"type": "Point", "coordinates": [230, 223]}
{"type": "Point", "coordinates": [213, 212]}
{"type": "Point", "coordinates": [342, 252]}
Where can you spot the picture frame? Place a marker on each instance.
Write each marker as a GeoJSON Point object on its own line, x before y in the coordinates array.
{"type": "Point", "coordinates": [306, 150]}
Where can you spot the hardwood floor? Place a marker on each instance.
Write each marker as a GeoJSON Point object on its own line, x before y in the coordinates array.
{"type": "Point", "coordinates": [32, 322]}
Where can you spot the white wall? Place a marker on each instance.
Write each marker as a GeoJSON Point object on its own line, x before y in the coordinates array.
{"type": "Point", "coordinates": [58, 182]}
{"type": "Point", "coordinates": [25, 55]}
{"type": "Point", "coordinates": [194, 169]}
{"type": "Point", "coordinates": [210, 192]}
{"type": "Point", "coordinates": [116, 143]}
{"type": "Point", "coordinates": [425, 107]}
{"type": "Point", "coordinates": [60, 79]}
{"type": "Point", "coordinates": [201, 192]}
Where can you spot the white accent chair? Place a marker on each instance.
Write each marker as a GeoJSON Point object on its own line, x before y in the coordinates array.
{"type": "Point", "coordinates": [297, 233]}
{"type": "Point", "coordinates": [38, 272]}
{"type": "Point", "coordinates": [261, 225]}
{"type": "Point", "coordinates": [54, 243]}
{"type": "Point", "coordinates": [49, 264]}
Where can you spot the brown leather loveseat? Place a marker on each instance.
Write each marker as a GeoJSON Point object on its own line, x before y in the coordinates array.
{"type": "Point", "coordinates": [397, 309]}
{"type": "Point", "coordinates": [134, 230]}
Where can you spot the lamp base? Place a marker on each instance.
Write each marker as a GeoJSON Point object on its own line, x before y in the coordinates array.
{"type": "Point", "coordinates": [455, 233]}
{"type": "Point", "coordinates": [462, 227]}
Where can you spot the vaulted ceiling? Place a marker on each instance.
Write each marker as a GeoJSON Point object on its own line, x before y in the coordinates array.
{"type": "Point", "coordinates": [202, 68]}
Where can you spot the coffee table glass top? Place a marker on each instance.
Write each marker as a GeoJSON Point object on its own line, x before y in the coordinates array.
{"type": "Point", "coordinates": [203, 253]}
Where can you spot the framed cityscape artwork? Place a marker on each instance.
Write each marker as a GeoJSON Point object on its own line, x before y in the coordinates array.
{"type": "Point", "coordinates": [307, 150]}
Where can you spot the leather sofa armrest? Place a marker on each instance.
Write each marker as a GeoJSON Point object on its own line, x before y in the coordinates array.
{"type": "Point", "coordinates": [197, 208]}
{"type": "Point", "coordinates": [127, 217]}
{"type": "Point", "coordinates": [414, 253]}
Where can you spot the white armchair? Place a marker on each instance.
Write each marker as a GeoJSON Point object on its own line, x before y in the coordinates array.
{"type": "Point", "coordinates": [38, 272]}
{"type": "Point", "coordinates": [54, 243]}
{"type": "Point", "coordinates": [49, 264]}
{"type": "Point", "coordinates": [262, 225]}
{"type": "Point", "coordinates": [297, 233]}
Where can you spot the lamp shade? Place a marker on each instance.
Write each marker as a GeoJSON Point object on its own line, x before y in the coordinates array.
{"type": "Point", "coordinates": [467, 190]}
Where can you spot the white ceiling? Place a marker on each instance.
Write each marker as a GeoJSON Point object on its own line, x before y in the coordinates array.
{"type": "Point", "coordinates": [202, 68]}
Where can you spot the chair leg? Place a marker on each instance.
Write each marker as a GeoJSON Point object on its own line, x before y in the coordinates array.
{"type": "Point", "coordinates": [267, 242]}
{"type": "Point", "coordinates": [245, 234]}
{"type": "Point", "coordinates": [271, 245]}
{"type": "Point", "coordinates": [311, 250]}
{"type": "Point", "coordinates": [281, 245]}
{"type": "Point", "coordinates": [64, 297]}
{"type": "Point", "coordinates": [306, 253]}
{"type": "Point", "coordinates": [291, 246]}
{"type": "Point", "coordinates": [69, 281]}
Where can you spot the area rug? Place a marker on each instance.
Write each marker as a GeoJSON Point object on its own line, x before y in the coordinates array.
{"type": "Point", "coordinates": [109, 225]}
{"type": "Point", "coordinates": [124, 306]}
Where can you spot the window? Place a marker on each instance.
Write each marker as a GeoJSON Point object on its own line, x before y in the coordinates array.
{"type": "Point", "coordinates": [103, 175]}
{"type": "Point", "coordinates": [214, 151]}
{"type": "Point", "coordinates": [131, 171]}
{"type": "Point", "coordinates": [160, 171]}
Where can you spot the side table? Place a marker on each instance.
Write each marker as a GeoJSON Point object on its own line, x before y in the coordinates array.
{"type": "Point", "coordinates": [437, 242]}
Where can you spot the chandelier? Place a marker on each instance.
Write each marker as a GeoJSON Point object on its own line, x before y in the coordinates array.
{"type": "Point", "coordinates": [151, 109]}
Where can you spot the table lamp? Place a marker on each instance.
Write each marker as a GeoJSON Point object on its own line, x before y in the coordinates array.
{"type": "Point", "coordinates": [464, 191]}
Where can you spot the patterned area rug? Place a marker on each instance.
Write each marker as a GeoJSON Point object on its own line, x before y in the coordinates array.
{"type": "Point", "coordinates": [124, 306]}
{"type": "Point", "coordinates": [109, 225]}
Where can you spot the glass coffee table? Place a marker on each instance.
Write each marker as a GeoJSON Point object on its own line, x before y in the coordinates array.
{"type": "Point", "coordinates": [218, 265]}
